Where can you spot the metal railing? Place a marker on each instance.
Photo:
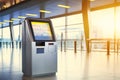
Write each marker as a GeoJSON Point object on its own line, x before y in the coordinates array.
{"type": "Point", "coordinates": [77, 45]}
{"type": "Point", "coordinates": [8, 44]}
{"type": "Point", "coordinates": [106, 45]}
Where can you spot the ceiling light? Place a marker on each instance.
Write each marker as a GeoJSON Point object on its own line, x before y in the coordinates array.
{"type": "Point", "coordinates": [15, 19]}
{"type": "Point", "coordinates": [45, 11]}
{"type": "Point", "coordinates": [8, 21]}
{"type": "Point", "coordinates": [1, 22]}
{"type": "Point", "coordinates": [63, 6]}
{"type": "Point", "coordinates": [22, 17]}
{"type": "Point", "coordinates": [31, 14]}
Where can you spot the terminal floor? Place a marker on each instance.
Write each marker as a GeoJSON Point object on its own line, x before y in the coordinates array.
{"type": "Point", "coordinates": [71, 66]}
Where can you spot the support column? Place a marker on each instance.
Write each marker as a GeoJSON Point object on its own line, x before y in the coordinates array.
{"type": "Point", "coordinates": [1, 36]}
{"type": "Point", "coordinates": [61, 42]}
{"type": "Point", "coordinates": [42, 7]}
{"type": "Point", "coordinates": [2, 32]}
{"type": "Point", "coordinates": [66, 24]}
{"type": "Point", "coordinates": [85, 13]}
{"type": "Point", "coordinates": [20, 34]}
{"type": "Point", "coordinates": [115, 27]}
{"type": "Point", "coordinates": [11, 33]}
{"type": "Point", "coordinates": [42, 15]}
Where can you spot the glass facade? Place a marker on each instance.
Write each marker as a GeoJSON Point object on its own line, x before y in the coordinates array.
{"type": "Point", "coordinates": [101, 21]}
{"type": "Point", "coordinates": [104, 24]}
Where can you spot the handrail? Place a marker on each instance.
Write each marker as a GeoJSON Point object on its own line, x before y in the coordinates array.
{"type": "Point", "coordinates": [101, 39]}
{"type": "Point", "coordinates": [105, 40]}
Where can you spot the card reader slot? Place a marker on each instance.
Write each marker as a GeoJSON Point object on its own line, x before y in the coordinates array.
{"type": "Point", "coordinates": [50, 43]}
{"type": "Point", "coordinates": [40, 43]}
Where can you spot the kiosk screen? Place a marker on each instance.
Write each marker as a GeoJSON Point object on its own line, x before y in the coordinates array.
{"type": "Point", "coordinates": [41, 30]}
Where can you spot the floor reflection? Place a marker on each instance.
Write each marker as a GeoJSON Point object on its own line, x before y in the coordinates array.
{"type": "Point", "coordinates": [71, 66]}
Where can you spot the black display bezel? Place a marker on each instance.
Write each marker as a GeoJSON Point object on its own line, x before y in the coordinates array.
{"type": "Point", "coordinates": [29, 20]}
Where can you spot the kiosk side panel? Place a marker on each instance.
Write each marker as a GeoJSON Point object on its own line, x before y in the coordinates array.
{"type": "Point", "coordinates": [26, 50]}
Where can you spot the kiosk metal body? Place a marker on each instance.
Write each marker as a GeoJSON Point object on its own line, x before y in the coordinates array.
{"type": "Point", "coordinates": [39, 53]}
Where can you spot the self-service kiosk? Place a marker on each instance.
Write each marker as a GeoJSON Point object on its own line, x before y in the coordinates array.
{"type": "Point", "coordinates": [39, 48]}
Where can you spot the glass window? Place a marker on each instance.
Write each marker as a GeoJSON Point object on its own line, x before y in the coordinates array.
{"type": "Point", "coordinates": [6, 34]}
{"type": "Point", "coordinates": [74, 24]}
{"type": "Point", "coordinates": [58, 31]}
{"type": "Point", "coordinates": [102, 24]}
{"type": "Point", "coordinates": [75, 31]}
{"type": "Point", "coordinates": [16, 31]}
{"type": "Point", "coordinates": [118, 22]}
{"type": "Point", "coordinates": [58, 21]}
{"type": "Point", "coordinates": [105, 24]}
{"type": "Point", "coordinates": [75, 19]}
{"type": "Point", "coordinates": [59, 27]}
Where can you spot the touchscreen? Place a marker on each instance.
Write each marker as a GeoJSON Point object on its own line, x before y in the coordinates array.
{"type": "Point", "coordinates": [41, 30]}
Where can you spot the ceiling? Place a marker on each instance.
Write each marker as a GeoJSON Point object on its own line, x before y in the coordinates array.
{"type": "Point", "coordinates": [33, 7]}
